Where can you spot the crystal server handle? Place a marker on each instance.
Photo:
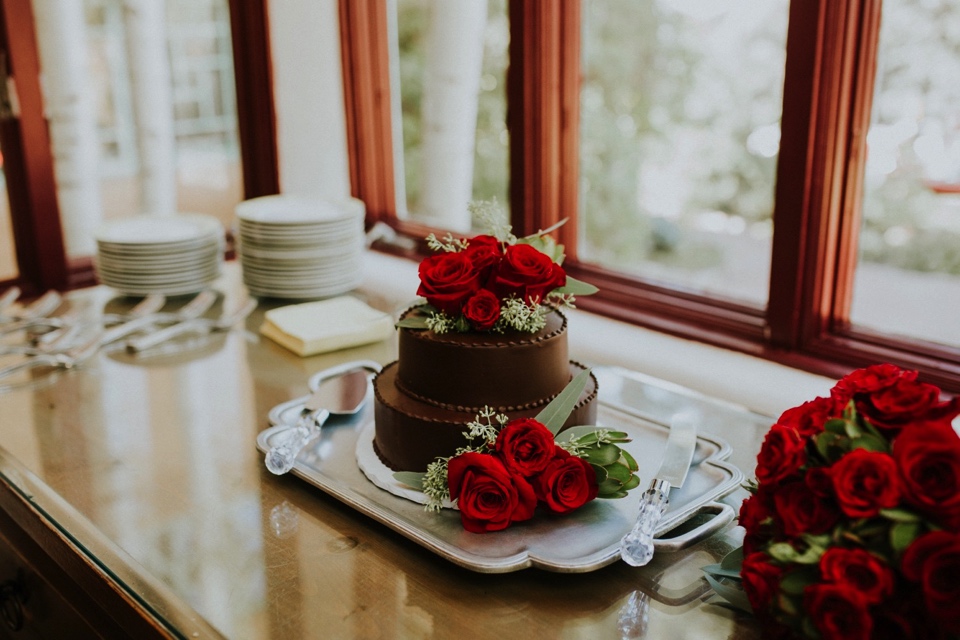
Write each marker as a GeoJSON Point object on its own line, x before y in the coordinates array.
{"type": "Point", "coordinates": [636, 548]}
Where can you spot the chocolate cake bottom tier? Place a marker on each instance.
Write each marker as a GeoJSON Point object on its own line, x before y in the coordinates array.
{"type": "Point", "coordinates": [411, 434]}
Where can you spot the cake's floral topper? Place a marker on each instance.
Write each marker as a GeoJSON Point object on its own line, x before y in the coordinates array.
{"type": "Point", "coordinates": [509, 467]}
{"type": "Point", "coordinates": [492, 282]}
{"type": "Point", "coordinates": [853, 523]}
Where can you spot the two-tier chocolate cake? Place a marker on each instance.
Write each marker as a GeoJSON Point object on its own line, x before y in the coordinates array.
{"type": "Point", "coordinates": [442, 380]}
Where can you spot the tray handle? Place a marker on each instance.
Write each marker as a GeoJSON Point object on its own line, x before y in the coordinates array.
{"type": "Point", "coordinates": [723, 515]}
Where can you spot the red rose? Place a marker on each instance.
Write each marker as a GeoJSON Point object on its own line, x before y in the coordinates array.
{"type": "Point", "coordinates": [485, 252]}
{"type": "Point", "coordinates": [933, 560]}
{"type": "Point", "coordinates": [447, 280]}
{"type": "Point", "coordinates": [868, 380]}
{"type": "Point", "coordinates": [860, 570]}
{"type": "Point", "coordinates": [929, 460]}
{"type": "Point", "coordinates": [865, 482]}
{"type": "Point", "coordinates": [488, 495]}
{"type": "Point", "coordinates": [903, 402]}
{"type": "Point", "coordinates": [567, 483]}
{"type": "Point", "coordinates": [808, 419]}
{"type": "Point", "coordinates": [781, 454]}
{"type": "Point", "coordinates": [800, 511]}
{"type": "Point", "coordinates": [819, 481]}
{"type": "Point", "coordinates": [482, 310]}
{"type": "Point", "coordinates": [753, 513]}
{"type": "Point", "coordinates": [761, 581]}
{"type": "Point", "coordinates": [527, 273]}
{"type": "Point", "coordinates": [525, 446]}
{"type": "Point", "coordinates": [838, 612]}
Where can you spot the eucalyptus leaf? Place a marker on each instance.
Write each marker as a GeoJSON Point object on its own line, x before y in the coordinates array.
{"type": "Point", "coordinates": [576, 287]}
{"type": "Point", "coordinates": [735, 596]}
{"type": "Point", "coordinates": [717, 570]}
{"type": "Point", "coordinates": [412, 479]}
{"type": "Point", "coordinates": [556, 413]}
{"type": "Point", "coordinates": [412, 322]}
{"type": "Point", "coordinates": [733, 560]}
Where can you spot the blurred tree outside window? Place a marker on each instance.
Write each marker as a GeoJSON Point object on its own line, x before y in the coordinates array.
{"type": "Point", "coordinates": [451, 66]}
{"type": "Point", "coordinates": [908, 276]}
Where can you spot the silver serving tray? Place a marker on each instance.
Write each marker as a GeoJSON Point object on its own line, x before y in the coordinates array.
{"type": "Point", "coordinates": [582, 541]}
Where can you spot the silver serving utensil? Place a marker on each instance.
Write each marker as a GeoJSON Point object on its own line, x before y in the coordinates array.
{"type": "Point", "coordinates": [8, 298]}
{"type": "Point", "coordinates": [341, 394]}
{"type": "Point", "coordinates": [42, 306]}
{"type": "Point", "coordinates": [193, 309]}
{"type": "Point", "coordinates": [65, 360]}
{"type": "Point", "coordinates": [196, 325]}
{"type": "Point", "coordinates": [150, 304]}
{"type": "Point", "coordinates": [636, 548]}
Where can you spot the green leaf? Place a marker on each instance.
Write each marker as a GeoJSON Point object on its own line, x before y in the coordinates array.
{"type": "Point", "coordinates": [900, 515]}
{"type": "Point", "coordinates": [735, 596]}
{"type": "Point", "coordinates": [556, 413]}
{"type": "Point", "coordinates": [544, 244]}
{"type": "Point", "coordinates": [822, 443]}
{"type": "Point", "coordinates": [870, 442]}
{"type": "Point", "coordinates": [583, 434]}
{"type": "Point", "coordinates": [782, 551]}
{"type": "Point", "coordinates": [733, 561]}
{"type": "Point", "coordinates": [631, 462]}
{"type": "Point", "coordinates": [796, 581]}
{"type": "Point", "coordinates": [902, 535]}
{"type": "Point", "coordinates": [412, 479]}
{"type": "Point", "coordinates": [836, 425]}
{"type": "Point", "coordinates": [601, 473]}
{"type": "Point", "coordinates": [619, 472]}
{"type": "Point", "coordinates": [717, 570]}
{"type": "Point", "coordinates": [412, 322]}
{"type": "Point", "coordinates": [609, 486]}
{"type": "Point", "coordinates": [603, 455]}
{"type": "Point", "coordinates": [576, 288]}
{"type": "Point", "coordinates": [612, 496]}
{"type": "Point", "coordinates": [851, 428]}
{"type": "Point", "coordinates": [632, 483]}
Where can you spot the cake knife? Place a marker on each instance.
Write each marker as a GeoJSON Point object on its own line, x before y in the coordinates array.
{"type": "Point", "coordinates": [636, 548]}
{"type": "Point", "coordinates": [340, 394]}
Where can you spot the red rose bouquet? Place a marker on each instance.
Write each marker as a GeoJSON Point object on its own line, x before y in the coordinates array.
{"type": "Point", "coordinates": [853, 525]}
{"type": "Point", "coordinates": [510, 467]}
{"type": "Point", "coordinates": [492, 282]}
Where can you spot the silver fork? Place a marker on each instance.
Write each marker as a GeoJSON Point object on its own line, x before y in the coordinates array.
{"type": "Point", "coordinates": [197, 325]}
{"type": "Point", "coordinates": [193, 309]}
{"type": "Point", "coordinates": [65, 360]}
{"type": "Point", "coordinates": [42, 306]}
{"type": "Point", "coordinates": [8, 298]}
{"type": "Point", "coordinates": [150, 304]}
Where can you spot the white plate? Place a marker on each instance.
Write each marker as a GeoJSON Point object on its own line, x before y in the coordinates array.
{"type": "Point", "coordinates": [157, 231]}
{"type": "Point", "coordinates": [286, 209]}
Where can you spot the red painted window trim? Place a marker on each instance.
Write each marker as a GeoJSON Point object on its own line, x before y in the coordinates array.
{"type": "Point", "coordinates": [830, 69]}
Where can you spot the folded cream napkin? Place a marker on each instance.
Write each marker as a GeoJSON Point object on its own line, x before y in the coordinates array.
{"type": "Point", "coordinates": [326, 325]}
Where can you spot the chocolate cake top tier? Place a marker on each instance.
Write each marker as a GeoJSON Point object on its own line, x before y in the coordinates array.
{"type": "Point", "coordinates": [512, 370]}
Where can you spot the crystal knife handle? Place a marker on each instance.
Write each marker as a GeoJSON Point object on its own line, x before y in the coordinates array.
{"type": "Point", "coordinates": [282, 456]}
{"type": "Point", "coordinates": [636, 548]}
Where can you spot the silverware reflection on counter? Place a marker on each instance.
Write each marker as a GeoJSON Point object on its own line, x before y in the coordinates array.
{"type": "Point", "coordinates": [195, 325]}
{"type": "Point", "coordinates": [61, 360]}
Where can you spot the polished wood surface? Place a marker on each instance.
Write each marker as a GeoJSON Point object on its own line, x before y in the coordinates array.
{"type": "Point", "coordinates": [149, 464]}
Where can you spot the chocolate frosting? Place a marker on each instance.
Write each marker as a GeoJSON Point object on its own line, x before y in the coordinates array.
{"type": "Point", "coordinates": [465, 371]}
{"type": "Point", "coordinates": [411, 433]}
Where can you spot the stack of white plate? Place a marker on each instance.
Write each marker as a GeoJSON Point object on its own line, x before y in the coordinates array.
{"type": "Point", "coordinates": [172, 255]}
{"type": "Point", "coordinates": [301, 248]}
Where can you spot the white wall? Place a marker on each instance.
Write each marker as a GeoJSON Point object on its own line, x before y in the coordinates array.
{"type": "Point", "coordinates": [308, 95]}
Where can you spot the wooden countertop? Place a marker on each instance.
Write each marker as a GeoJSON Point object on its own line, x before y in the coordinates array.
{"type": "Point", "coordinates": [149, 466]}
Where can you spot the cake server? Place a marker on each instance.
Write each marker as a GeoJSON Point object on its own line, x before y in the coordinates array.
{"type": "Point", "coordinates": [636, 548]}
{"type": "Point", "coordinates": [341, 394]}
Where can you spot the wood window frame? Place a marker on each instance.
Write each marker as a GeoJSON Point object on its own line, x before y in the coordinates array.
{"type": "Point", "coordinates": [41, 255]}
{"type": "Point", "coordinates": [830, 70]}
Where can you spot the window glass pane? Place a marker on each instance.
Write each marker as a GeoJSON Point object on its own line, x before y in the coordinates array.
{"type": "Point", "coordinates": [680, 131]}
{"type": "Point", "coordinates": [908, 275]}
{"type": "Point", "coordinates": [8, 258]}
{"type": "Point", "coordinates": [142, 110]}
{"type": "Point", "coordinates": [451, 71]}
